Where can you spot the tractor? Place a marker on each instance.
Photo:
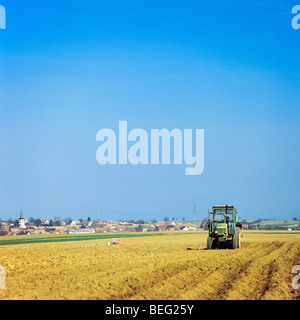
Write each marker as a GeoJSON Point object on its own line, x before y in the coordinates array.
{"type": "Point", "coordinates": [224, 228]}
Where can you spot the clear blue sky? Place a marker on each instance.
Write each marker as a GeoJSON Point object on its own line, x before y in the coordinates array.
{"type": "Point", "coordinates": [71, 68]}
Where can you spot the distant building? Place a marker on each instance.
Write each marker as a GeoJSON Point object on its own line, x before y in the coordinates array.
{"type": "Point", "coordinates": [170, 223]}
{"type": "Point", "coordinates": [87, 223]}
{"type": "Point", "coordinates": [45, 222]}
{"type": "Point", "coordinates": [184, 228]}
{"type": "Point", "coordinates": [75, 223]}
{"type": "Point", "coordinates": [22, 221]}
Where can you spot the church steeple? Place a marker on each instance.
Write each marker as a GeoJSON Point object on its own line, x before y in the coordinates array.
{"type": "Point", "coordinates": [22, 221]}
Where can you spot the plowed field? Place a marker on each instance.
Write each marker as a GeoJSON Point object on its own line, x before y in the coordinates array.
{"type": "Point", "coordinates": [158, 267]}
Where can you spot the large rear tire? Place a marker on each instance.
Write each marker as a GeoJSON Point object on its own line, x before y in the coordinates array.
{"type": "Point", "coordinates": [238, 238]}
{"type": "Point", "coordinates": [209, 243]}
{"type": "Point", "coordinates": [234, 242]}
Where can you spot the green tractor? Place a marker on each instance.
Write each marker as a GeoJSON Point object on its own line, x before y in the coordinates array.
{"type": "Point", "coordinates": [224, 228]}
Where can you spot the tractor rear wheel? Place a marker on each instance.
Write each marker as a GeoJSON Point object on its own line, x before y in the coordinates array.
{"type": "Point", "coordinates": [234, 242]}
{"type": "Point", "coordinates": [209, 243]}
{"type": "Point", "coordinates": [238, 238]}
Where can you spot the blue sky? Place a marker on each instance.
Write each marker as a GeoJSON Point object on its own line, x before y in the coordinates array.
{"type": "Point", "coordinates": [70, 69]}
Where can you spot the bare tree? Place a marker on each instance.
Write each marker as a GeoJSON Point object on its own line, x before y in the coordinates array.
{"type": "Point", "coordinates": [68, 220]}
{"type": "Point", "coordinates": [56, 221]}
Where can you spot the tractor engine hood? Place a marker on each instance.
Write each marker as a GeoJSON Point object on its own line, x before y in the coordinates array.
{"type": "Point", "coordinates": [221, 228]}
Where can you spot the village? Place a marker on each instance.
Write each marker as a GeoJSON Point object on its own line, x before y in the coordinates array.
{"type": "Point", "coordinates": [22, 226]}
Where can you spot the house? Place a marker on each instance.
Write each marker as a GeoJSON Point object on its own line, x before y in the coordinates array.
{"type": "Point", "coordinates": [172, 223]}
{"type": "Point", "coordinates": [184, 228]}
{"type": "Point", "coordinates": [75, 223]}
{"type": "Point", "coordinates": [87, 223]}
{"type": "Point", "coordinates": [4, 226]}
{"type": "Point", "coordinates": [45, 222]}
{"type": "Point", "coordinates": [125, 223]}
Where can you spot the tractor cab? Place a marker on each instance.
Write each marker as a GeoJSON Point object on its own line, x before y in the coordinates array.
{"type": "Point", "coordinates": [223, 214]}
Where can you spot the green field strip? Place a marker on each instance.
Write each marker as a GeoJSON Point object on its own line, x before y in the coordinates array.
{"type": "Point", "coordinates": [30, 239]}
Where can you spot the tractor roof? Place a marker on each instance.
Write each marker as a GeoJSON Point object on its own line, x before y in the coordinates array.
{"type": "Point", "coordinates": [223, 206]}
